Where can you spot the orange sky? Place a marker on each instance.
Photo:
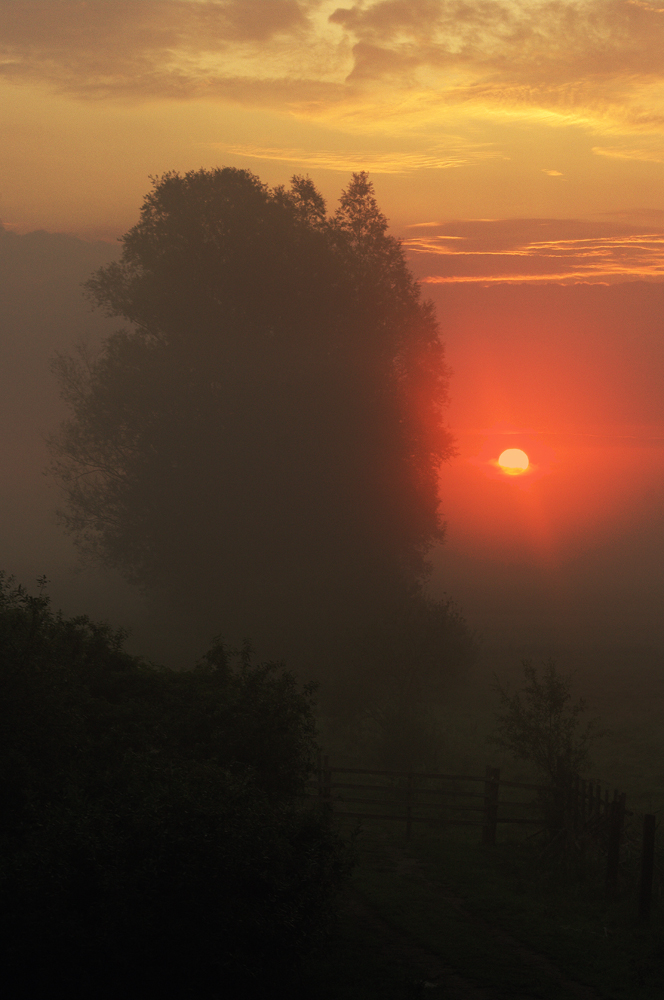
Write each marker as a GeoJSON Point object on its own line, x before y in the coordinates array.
{"type": "Point", "coordinates": [515, 145]}
{"type": "Point", "coordinates": [459, 108]}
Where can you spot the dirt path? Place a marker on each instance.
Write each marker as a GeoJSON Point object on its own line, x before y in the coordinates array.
{"type": "Point", "coordinates": [438, 977]}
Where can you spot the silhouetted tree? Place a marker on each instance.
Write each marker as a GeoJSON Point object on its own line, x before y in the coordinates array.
{"type": "Point", "coordinates": [263, 442]}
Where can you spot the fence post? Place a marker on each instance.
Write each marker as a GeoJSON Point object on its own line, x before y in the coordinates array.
{"type": "Point", "coordinates": [647, 866]}
{"type": "Point", "coordinates": [581, 824]}
{"type": "Point", "coordinates": [491, 787]}
{"type": "Point", "coordinates": [616, 817]}
{"type": "Point", "coordinates": [327, 782]}
{"type": "Point", "coordinates": [319, 773]}
{"type": "Point", "coordinates": [409, 798]}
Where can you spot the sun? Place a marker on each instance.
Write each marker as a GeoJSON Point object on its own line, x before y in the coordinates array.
{"type": "Point", "coordinates": [513, 461]}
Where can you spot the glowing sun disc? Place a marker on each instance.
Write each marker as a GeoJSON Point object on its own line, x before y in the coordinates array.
{"type": "Point", "coordinates": [513, 461]}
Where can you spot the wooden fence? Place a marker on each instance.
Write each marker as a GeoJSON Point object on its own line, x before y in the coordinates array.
{"type": "Point", "coordinates": [579, 812]}
{"type": "Point", "coordinates": [418, 797]}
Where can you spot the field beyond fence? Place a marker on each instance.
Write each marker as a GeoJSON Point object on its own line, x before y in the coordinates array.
{"type": "Point", "coordinates": [576, 814]}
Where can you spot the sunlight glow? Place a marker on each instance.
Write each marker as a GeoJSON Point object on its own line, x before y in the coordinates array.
{"type": "Point", "coordinates": [513, 461]}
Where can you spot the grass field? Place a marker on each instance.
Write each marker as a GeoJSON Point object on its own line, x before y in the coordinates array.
{"type": "Point", "coordinates": [440, 915]}
{"type": "Point", "coordinates": [443, 916]}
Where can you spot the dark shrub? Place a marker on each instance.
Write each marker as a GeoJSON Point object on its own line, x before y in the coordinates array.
{"type": "Point", "coordinates": [155, 834]}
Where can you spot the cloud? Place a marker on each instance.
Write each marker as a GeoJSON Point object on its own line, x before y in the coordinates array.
{"type": "Point", "coordinates": [395, 162]}
{"type": "Point", "coordinates": [549, 40]}
{"type": "Point", "coordinates": [596, 63]}
{"type": "Point", "coordinates": [592, 62]}
{"type": "Point", "coordinates": [552, 173]}
{"type": "Point", "coordinates": [151, 25]}
{"type": "Point", "coordinates": [621, 153]}
{"type": "Point", "coordinates": [151, 48]}
{"type": "Point", "coordinates": [538, 250]}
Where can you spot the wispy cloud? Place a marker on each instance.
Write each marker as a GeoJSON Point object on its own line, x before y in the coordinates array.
{"type": "Point", "coordinates": [622, 153]}
{"type": "Point", "coordinates": [427, 225]}
{"type": "Point", "coordinates": [535, 250]}
{"type": "Point", "coordinates": [590, 62]}
{"type": "Point", "coordinates": [395, 162]}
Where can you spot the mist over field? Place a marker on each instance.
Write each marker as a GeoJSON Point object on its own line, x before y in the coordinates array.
{"type": "Point", "coordinates": [562, 565]}
{"type": "Point", "coordinates": [574, 373]}
{"type": "Point", "coordinates": [577, 369]}
{"type": "Point", "coordinates": [569, 567]}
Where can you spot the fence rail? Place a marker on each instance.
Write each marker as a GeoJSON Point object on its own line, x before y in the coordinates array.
{"type": "Point", "coordinates": [423, 797]}
{"type": "Point", "coordinates": [426, 797]}
{"type": "Point", "coordinates": [577, 811]}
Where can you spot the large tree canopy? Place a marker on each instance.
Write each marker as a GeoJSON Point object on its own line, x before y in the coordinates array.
{"type": "Point", "coordinates": [264, 439]}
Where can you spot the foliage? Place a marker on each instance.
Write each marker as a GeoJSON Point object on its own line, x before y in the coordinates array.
{"type": "Point", "coordinates": [261, 446]}
{"type": "Point", "coordinates": [540, 724]}
{"type": "Point", "coordinates": [154, 832]}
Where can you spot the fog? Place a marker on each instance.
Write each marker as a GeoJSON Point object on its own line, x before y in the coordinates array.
{"type": "Point", "coordinates": [44, 311]}
{"type": "Point", "coordinates": [573, 374]}
{"type": "Point", "coordinates": [568, 561]}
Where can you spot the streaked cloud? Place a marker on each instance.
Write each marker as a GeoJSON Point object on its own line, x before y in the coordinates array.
{"type": "Point", "coordinates": [453, 154]}
{"type": "Point", "coordinates": [536, 250]}
{"type": "Point", "coordinates": [426, 225]}
{"type": "Point", "coordinates": [621, 153]}
{"type": "Point", "coordinates": [595, 63]}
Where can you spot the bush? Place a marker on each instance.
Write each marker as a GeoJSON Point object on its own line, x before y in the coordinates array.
{"type": "Point", "coordinates": [155, 834]}
{"type": "Point", "coordinates": [543, 727]}
{"type": "Point", "coordinates": [540, 724]}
